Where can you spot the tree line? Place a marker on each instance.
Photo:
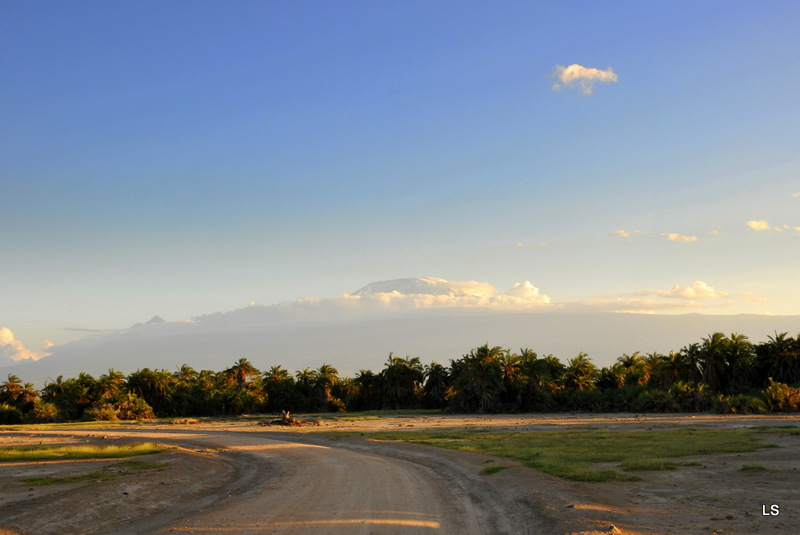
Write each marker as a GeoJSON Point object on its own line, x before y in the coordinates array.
{"type": "Point", "coordinates": [726, 374]}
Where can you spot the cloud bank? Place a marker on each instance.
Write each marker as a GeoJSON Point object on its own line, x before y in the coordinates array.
{"type": "Point", "coordinates": [582, 77]}
{"type": "Point", "coordinates": [13, 349]}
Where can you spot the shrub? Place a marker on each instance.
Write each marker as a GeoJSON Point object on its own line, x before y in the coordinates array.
{"type": "Point", "coordinates": [781, 397]}
{"type": "Point", "coordinates": [101, 412]}
{"type": "Point", "coordinates": [738, 404]}
{"type": "Point", "coordinates": [132, 407]}
{"type": "Point", "coordinates": [655, 401]}
{"type": "Point", "coordinates": [690, 396]}
{"type": "Point", "coordinates": [10, 414]}
{"type": "Point", "coordinates": [43, 413]}
{"type": "Point", "coordinates": [336, 405]}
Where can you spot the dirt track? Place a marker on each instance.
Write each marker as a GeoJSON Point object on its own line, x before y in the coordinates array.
{"type": "Point", "coordinates": [242, 478]}
{"type": "Point", "coordinates": [298, 484]}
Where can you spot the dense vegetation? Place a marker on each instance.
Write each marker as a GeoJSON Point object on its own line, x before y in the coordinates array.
{"type": "Point", "coordinates": [721, 373]}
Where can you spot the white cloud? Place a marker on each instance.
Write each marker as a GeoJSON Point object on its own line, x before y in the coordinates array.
{"type": "Point", "coordinates": [582, 77]}
{"type": "Point", "coordinates": [759, 225]}
{"type": "Point", "coordinates": [403, 294]}
{"type": "Point", "coordinates": [524, 290]}
{"type": "Point", "coordinates": [698, 290]}
{"type": "Point", "coordinates": [796, 194]}
{"type": "Point", "coordinates": [674, 236]}
{"type": "Point", "coordinates": [764, 225]}
{"type": "Point", "coordinates": [677, 299]}
{"type": "Point", "coordinates": [623, 233]}
{"type": "Point", "coordinates": [13, 349]}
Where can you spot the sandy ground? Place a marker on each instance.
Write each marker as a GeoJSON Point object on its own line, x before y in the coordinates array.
{"type": "Point", "coordinates": [244, 478]}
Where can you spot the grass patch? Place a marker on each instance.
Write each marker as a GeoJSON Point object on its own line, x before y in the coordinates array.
{"type": "Point", "coordinates": [94, 476]}
{"type": "Point", "coordinates": [585, 454]}
{"type": "Point", "coordinates": [131, 466]}
{"type": "Point", "coordinates": [75, 425]}
{"type": "Point", "coordinates": [489, 470]}
{"type": "Point", "coordinates": [754, 468]}
{"type": "Point", "coordinates": [644, 465]}
{"type": "Point", "coordinates": [140, 465]}
{"type": "Point", "coordinates": [57, 452]}
{"type": "Point", "coordinates": [779, 429]}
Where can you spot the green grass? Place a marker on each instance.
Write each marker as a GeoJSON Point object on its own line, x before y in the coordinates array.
{"type": "Point", "coordinates": [60, 452]}
{"type": "Point", "coordinates": [779, 429]}
{"type": "Point", "coordinates": [643, 465]}
{"type": "Point", "coordinates": [132, 466]}
{"type": "Point", "coordinates": [95, 476]}
{"type": "Point", "coordinates": [140, 465]}
{"type": "Point", "coordinates": [489, 470]}
{"type": "Point", "coordinates": [754, 468]}
{"type": "Point", "coordinates": [74, 425]}
{"type": "Point", "coordinates": [588, 454]}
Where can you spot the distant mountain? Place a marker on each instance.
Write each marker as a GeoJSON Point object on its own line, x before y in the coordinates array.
{"type": "Point", "coordinates": [351, 343]}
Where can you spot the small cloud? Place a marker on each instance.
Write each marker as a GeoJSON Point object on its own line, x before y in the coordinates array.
{"type": "Point", "coordinates": [524, 290]}
{"type": "Point", "coordinates": [13, 349]}
{"type": "Point", "coordinates": [759, 225]}
{"type": "Point", "coordinates": [520, 244]}
{"type": "Point", "coordinates": [753, 298]}
{"type": "Point", "coordinates": [674, 236]}
{"type": "Point", "coordinates": [698, 290]}
{"type": "Point", "coordinates": [583, 77]}
{"type": "Point", "coordinates": [625, 233]}
{"type": "Point", "coordinates": [796, 194]}
{"type": "Point", "coordinates": [714, 232]}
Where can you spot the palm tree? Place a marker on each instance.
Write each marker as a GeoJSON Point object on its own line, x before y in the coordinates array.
{"type": "Point", "coordinates": [581, 373]}
{"type": "Point", "coordinates": [779, 359]}
{"type": "Point", "coordinates": [156, 387]}
{"type": "Point", "coordinates": [401, 378]}
{"type": "Point", "coordinates": [110, 385]}
{"type": "Point", "coordinates": [241, 372]}
{"type": "Point", "coordinates": [15, 393]}
{"type": "Point", "coordinates": [713, 363]}
{"type": "Point", "coordinates": [370, 390]}
{"type": "Point", "coordinates": [437, 385]}
{"type": "Point", "coordinates": [740, 357]}
{"type": "Point", "coordinates": [478, 379]}
{"type": "Point", "coordinates": [279, 389]}
{"type": "Point", "coordinates": [326, 376]}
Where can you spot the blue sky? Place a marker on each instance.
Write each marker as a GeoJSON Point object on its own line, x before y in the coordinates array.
{"type": "Point", "coordinates": [185, 158]}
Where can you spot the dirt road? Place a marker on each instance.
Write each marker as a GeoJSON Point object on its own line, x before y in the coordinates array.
{"type": "Point", "coordinates": [239, 477]}
{"type": "Point", "coordinates": [296, 484]}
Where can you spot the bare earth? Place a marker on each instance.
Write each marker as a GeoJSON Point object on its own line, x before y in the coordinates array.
{"type": "Point", "coordinates": [244, 478]}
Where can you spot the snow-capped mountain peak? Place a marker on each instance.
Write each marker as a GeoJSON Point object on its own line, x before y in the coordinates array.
{"type": "Point", "coordinates": [428, 286]}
